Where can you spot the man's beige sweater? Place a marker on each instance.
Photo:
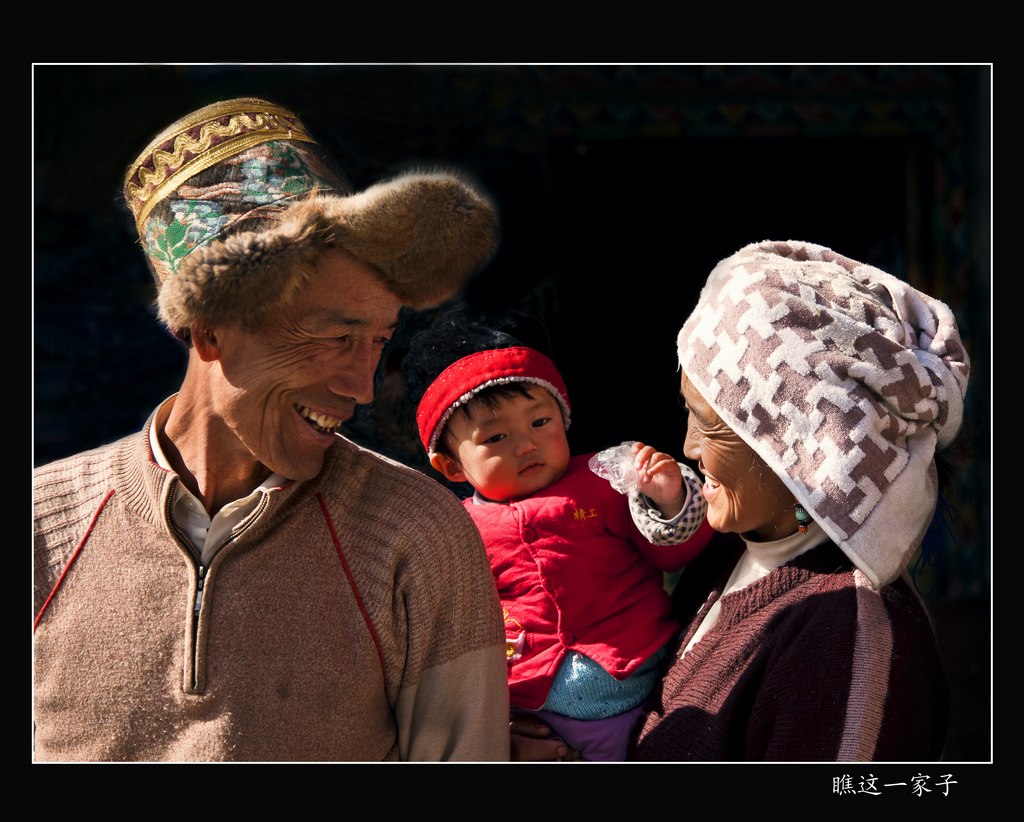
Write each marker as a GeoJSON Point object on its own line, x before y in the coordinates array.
{"type": "Point", "coordinates": [349, 618]}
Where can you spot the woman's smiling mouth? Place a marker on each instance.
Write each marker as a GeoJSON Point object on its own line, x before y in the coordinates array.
{"type": "Point", "coordinates": [710, 483]}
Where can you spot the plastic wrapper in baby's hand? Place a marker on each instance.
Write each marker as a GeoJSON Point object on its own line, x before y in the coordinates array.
{"type": "Point", "coordinates": [616, 465]}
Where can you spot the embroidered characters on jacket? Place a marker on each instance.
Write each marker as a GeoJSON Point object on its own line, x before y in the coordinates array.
{"type": "Point", "coordinates": [514, 646]}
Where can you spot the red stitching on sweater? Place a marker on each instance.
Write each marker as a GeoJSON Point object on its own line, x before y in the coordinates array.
{"type": "Point", "coordinates": [74, 556]}
{"type": "Point", "coordinates": [355, 588]}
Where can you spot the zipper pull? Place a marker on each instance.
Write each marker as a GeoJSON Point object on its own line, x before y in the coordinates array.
{"type": "Point", "coordinates": [199, 590]}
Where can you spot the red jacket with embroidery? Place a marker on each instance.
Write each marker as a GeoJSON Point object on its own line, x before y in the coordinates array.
{"type": "Point", "coordinates": [574, 573]}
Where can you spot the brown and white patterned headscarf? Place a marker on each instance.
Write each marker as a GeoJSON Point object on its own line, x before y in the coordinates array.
{"type": "Point", "coordinates": [843, 378]}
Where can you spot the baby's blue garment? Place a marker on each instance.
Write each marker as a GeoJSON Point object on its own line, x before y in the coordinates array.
{"type": "Point", "coordinates": [584, 690]}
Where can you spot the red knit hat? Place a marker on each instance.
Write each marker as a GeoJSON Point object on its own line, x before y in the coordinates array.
{"type": "Point", "coordinates": [468, 376]}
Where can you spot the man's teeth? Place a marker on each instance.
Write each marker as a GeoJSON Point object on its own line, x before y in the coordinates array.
{"type": "Point", "coordinates": [322, 422]}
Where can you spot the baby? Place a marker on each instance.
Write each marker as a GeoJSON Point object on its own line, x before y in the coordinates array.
{"type": "Point", "coordinates": [579, 565]}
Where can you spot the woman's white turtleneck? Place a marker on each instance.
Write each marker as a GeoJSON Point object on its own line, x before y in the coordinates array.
{"type": "Point", "coordinates": [760, 559]}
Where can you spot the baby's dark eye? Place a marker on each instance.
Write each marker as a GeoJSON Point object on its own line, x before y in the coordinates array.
{"type": "Point", "coordinates": [541, 422]}
{"type": "Point", "coordinates": [494, 439]}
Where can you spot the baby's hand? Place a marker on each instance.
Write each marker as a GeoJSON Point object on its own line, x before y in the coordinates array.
{"type": "Point", "coordinates": [659, 478]}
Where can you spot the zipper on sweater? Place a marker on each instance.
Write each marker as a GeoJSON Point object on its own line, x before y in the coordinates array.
{"type": "Point", "coordinates": [191, 653]}
{"type": "Point", "coordinates": [199, 595]}
{"type": "Point", "coordinates": [197, 606]}
{"type": "Point", "coordinates": [194, 677]}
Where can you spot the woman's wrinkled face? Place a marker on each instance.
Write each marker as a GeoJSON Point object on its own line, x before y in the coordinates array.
{"type": "Point", "coordinates": [744, 495]}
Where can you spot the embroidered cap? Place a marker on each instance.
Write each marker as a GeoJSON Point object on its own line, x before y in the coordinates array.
{"type": "Point", "coordinates": [234, 202]}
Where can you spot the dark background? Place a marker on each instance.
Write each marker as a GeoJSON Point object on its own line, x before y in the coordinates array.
{"type": "Point", "coordinates": [619, 189]}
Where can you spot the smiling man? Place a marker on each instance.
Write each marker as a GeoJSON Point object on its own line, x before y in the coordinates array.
{"type": "Point", "coordinates": [238, 581]}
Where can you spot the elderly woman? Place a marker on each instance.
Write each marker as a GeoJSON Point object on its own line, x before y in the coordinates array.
{"type": "Point", "coordinates": [818, 390]}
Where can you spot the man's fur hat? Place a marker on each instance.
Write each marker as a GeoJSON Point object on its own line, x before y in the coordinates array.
{"type": "Point", "coordinates": [235, 202]}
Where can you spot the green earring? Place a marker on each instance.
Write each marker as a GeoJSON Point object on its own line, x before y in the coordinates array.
{"type": "Point", "coordinates": [802, 518]}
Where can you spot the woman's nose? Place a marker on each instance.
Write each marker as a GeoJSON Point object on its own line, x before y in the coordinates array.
{"type": "Point", "coordinates": [691, 444]}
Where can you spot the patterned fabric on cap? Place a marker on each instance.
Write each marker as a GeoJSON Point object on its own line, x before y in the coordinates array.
{"type": "Point", "coordinates": [265, 158]}
{"type": "Point", "coordinates": [235, 204]}
{"type": "Point", "coordinates": [259, 182]}
{"type": "Point", "coordinates": [843, 378]}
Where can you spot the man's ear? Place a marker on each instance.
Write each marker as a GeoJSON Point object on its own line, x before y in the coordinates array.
{"type": "Point", "coordinates": [204, 341]}
{"type": "Point", "coordinates": [448, 467]}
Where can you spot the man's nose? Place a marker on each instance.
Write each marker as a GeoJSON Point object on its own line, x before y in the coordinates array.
{"type": "Point", "coordinates": [355, 373]}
